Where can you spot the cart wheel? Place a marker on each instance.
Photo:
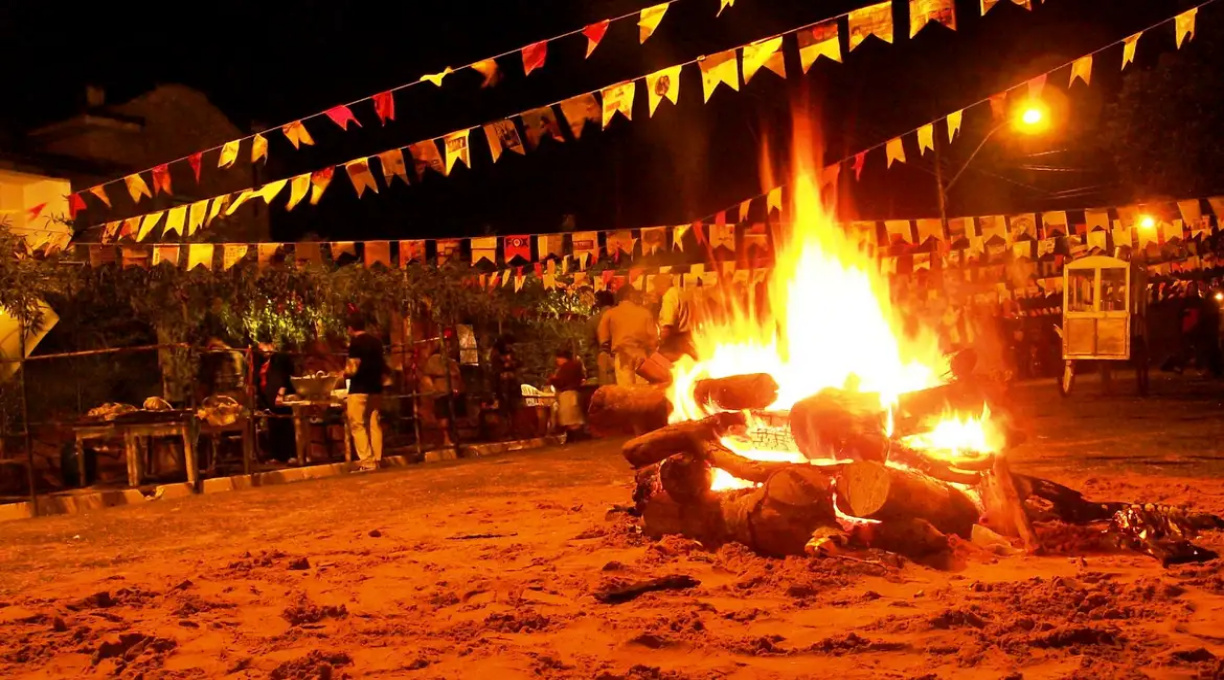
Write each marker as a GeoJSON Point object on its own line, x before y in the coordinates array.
{"type": "Point", "coordinates": [1067, 381]}
{"type": "Point", "coordinates": [1139, 357]}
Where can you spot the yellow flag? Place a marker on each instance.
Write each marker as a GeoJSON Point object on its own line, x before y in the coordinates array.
{"type": "Point", "coordinates": [231, 254]}
{"type": "Point", "coordinates": [818, 41]}
{"type": "Point", "coordinates": [618, 99]}
{"type": "Point", "coordinates": [147, 223]}
{"type": "Point", "coordinates": [259, 148]}
{"type": "Point", "coordinates": [457, 150]}
{"type": "Point", "coordinates": [265, 252]}
{"type": "Point", "coordinates": [1081, 68]}
{"type": "Point", "coordinates": [954, 123]}
{"type": "Point", "coordinates": [362, 178]}
{"type": "Point", "coordinates": [663, 84]}
{"type": "Point", "coordinates": [923, 12]}
{"type": "Point", "coordinates": [218, 205]}
{"type": "Point", "coordinates": [200, 255]}
{"type": "Point", "coordinates": [580, 110]}
{"type": "Point", "coordinates": [484, 248]}
{"type": "Point", "coordinates": [767, 53]}
{"type": "Point", "coordinates": [1128, 49]}
{"type": "Point", "coordinates": [719, 68]}
{"type": "Point", "coordinates": [436, 78]}
{"type": "Point", "coordinates": [871, 20]}
{"type": "Point", "coordinates": [393, 165]}
{"type": "Point", "coordinates": [176, 220]}
{"type": "Point", "coordinates": [165, 253]}
{"type": "Point", "coordinates": [1184, 23]}
{"type": "Point", "coordinates": [895, 151]}
{"type": "Point", "coordinates": [926, 138]}
{"type": "Point", "coordinates": [319, 181]}
{"type": "Point", "coordinates": [773, 200]}
{"type": "Point", "coordinates": [100, 192]}
{"type": "Point", "coordinates": [137, 187]}
{"type": "Point", "coordinates": [197, 213]}
{"type": "Point", "coordinates": [271, 190]}
{"type": "Point", "coordinates": [244, 196]}
{"type": "Point", "coordinates": [297, 134]}
{"type": "Point", "coordinates": [649, 20]}
{"type": "Point", "coordinates": [488, 69]}
{"type": "Point", "coordinates": [298, 188]}
{"type": "Point", "coordinates": [229, 154]}
{"type": "Point", "coordinates": [724, 4]}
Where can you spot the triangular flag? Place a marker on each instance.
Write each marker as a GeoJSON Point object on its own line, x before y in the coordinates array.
{"type": "Point", "coordinates": [215, 209]}
{"type": "Point", "coordinates": [342, 116]}
{"type": "Point", "coordinates": [36, 211]}
{"type": "Point", "coordinates": [830, 174]}
{"type": "Point", "coordinates": [954, 124]}
{"type": "Point", "coordinates": [362, 178]}
{"type": "Point", "coordinates": [773, 201]}
{"type": "Point", "coordinates": [678, 233]}
{"type": "Point", "coordinates": [926, 138]}
{"type": "Point", "coordinates": [550, 245]}
{"type": "Point", "coordinates": [488, 69]}
{"type": "Point", "coordinates": [767, 53]}
{"type": "Point", "coordinates": [229, 154]}
{"type": "Point", "coordinates": [923, 12]}
{"type": "Point", "coordinates": [196, 160]}
{"type": "Point", "coordinates": [502, 136]}
{"type": "Point", "coordinates": [200, 255]}
{"type": "Point", "coordinates": [663, 84]}
{"type": "Point", "coordinates": [1128, 49]}
{"type": "Point", "coordinates": [580, 110]}
{"type": "Point", "coordinates": [818, 41]}
{"type": "Point", "coordinates": [271, 190]}
{"type": "Point", "coordinates": [860, 160]}
{"type": "Point", "coordinates": [147, 223]}
{"type": "Point", "coordinates": [1081, 68]}
{"type": "Point", "coordinates": [446, 249]}
{"type": "Point", "coordinates": [540, 123]}
{"type": "Point", "coordinates": [744, 207]}
{"type": "Point", "coordinates": [100, 192]}
{"type": "Point", "coordinates": [534, 56]}
{"type": "Point", "coordinates": [384, 106]}
{"type": "Point", "coordinates": [377, 252]}
{"type": "Point", "coordinates": [719, 68]}
{"type": "Point", "coordinates": [654, 239]}
{"type": "Point", "coordinates": [298, 188]}
{"type": "Point", "coordinates": [259, 148]}
{"type": "Point", "coordinates": [505, 277]}
{"type": "Point", "coordinates": [457, 150]}
{"type": "Point", "coordinates": [425, 156]}
{"type": "Point", "coordinates": [232, 254]}
{"type": "Point", "coordinates": [243, 196]}
{"type": "Point", "coordinates": [594, 34]}
{"type": "Point", "coordinates": [517, 247]}
{"type": "Point", "coordinates": [998, 105]}
{"type": "Point", "coordinates": [319, 181]}
{"type": "Point", "coordinates": [161, 179]}
{"type": "Point", "coordinates": [484, 248]}
{"type": "Point", "coordinates": [342, 248]}
{"type": "Point", "coordinates": [618, 99]}
{"type": "Point", "coordinates": [436, 78]}
{"type": "Point", "coordinates": [198, 211]}
{"type": "Point", "coordinates": [620, 242]}
{"type": "Point", "coordinates": [393, 165]}
{"type": "Point", "coordinates": [136, 187]}
{"type": "Point", "coordinates": [75, 204]}
{"type": "Point", "coordinates": [131, 227]}
{"type": "Point", "coordinates": [724, 4]}
{"type": "Point", "coordinates": [1036, 86]}
{"type": "Point", "coordinates": [297, 134]}
{"type": "Point", "coordinates": [871, 20]}
{"type": "Point", "coordinates": [649, 20]}
{"type": "Point", "coordinates": [110, 233]}
{"type": "Point", "coordinates": [1184, 23]}
{"type": "Point", "coordinates": [176, 219]}
{"type": "Point", "coordinates": [987, 5]}
{"type": "Point", "coordinates": [895, 151]}
{"type": "Point", "coordinates": [166, 253]}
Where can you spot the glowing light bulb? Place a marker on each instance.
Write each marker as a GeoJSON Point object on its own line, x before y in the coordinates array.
{"type": "Point", "coordinates": [1219, 297]}
{"type": "Point", "coordinates": [1031, 116]}
{"type": "Point", "coordinates": [1147, 222]}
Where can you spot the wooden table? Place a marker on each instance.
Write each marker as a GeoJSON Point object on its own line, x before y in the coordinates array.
{"type": "Point", "coordinates": [131, 433]}
{"type": "Point", "coordinates": [303, 409]}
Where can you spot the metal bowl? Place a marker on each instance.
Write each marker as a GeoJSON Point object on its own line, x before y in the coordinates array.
{"type": "Point", "coordinates": [314, 387]}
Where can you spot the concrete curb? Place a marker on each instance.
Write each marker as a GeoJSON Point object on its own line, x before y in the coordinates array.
{"type": "Point", "coordinates": [80, 501]}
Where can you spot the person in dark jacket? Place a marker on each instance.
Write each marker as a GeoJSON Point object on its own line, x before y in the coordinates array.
{"type": "Point", "coordinates": [567, 380]}
{"type": "Point", "coordinates": [273, 386]}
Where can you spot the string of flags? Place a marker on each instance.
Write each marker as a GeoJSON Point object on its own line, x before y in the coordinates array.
{"type": "Point", "coordinates": [600, 107]}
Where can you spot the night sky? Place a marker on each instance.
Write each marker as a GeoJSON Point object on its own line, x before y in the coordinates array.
{"type": "Point", "coordinates": [270, 62]}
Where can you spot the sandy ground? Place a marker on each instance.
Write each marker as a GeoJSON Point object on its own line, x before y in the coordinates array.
{"type": "Point", "coordinates": [486, 569]}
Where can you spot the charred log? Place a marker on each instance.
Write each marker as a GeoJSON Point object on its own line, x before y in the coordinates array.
{"type": "Point", "coordinates": [1004, 509]}
{"type": "Point", "coordinates": [838, 423]}
{"type": "Point", "coordinates": [914, 538]}
{"type": "Point", "coordinates": [756, 471]}
{"type": "Point", "coordinates": [686, 477]}
{"type": "Point", "coordinates": [737, 392]}
{"type": "Point", "coordinates": [942, 470]}
{"type": "Point", "coordinates": [615, 409]}
{"type": "Point", "coordinates": [646, 485]}
{"type": "Point", "coordinates": [874, 491]}
{"type": "Point", "coordinates": [686, 437]}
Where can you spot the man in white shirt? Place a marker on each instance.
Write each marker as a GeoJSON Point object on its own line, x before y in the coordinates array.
{"type": "Point", "coordinates": [675, 320]}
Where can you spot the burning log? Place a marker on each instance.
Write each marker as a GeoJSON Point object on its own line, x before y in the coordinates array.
{"type": "Point", "coordinates": [1004, 511]}
{"type": "Point", "coordinates": [685, 437]}
{"type": "Point", "coordinates": [737, 392]}
{"type": "Point", "coordinates": [874, 491]}
{"type": "Point", "coordinates": [615, 409]}
{"type": "Point", "coordinates": [686, 477]}
{"type": "Point", "coordinates": [836, 422]}
{"type": "Point", "coordinates": [756, 471]}
{"type": "Point", "coordinates": [942, 470]}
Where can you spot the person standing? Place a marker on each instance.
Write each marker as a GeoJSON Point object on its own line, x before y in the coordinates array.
{"type": "Point", "coordinates": [605, 374]}
{"type": "Point", "coordinates": [365, 369]}
{"type": "Point", "coordinates": [442, 380]}
{"type": "Point", "coordinates": [567, 380]}
{"type": "Point", "coordinates": [628, 332]}
{"type": "Point", "coordinates": [675, 320]}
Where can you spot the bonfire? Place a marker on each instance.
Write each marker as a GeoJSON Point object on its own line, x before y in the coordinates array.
{"type": "Point", "coordinates": [822, 425]}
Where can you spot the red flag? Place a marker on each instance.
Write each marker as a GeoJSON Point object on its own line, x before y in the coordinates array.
{"type": "Point", "coordinates": [539, 269]}
{"type": "Point", "coordinates": [37, 210]}
{"type": "Point", "coordinates": [720, 218]}
{"type": "Point", "coordinates": [195, 160]}
{"type": "Point", "coordinates": [998, 104]}
{"type": "Point", "coordinates": [534, 55]}
{"type": "Point", "coordinates": [342, 116]}
{"type": "Point", "coordinates": [607, 275]}
{"type": "Point", "coordinates": [699, 232]}
{"type": "Point", "coordinates": [75, 205]}
{"type": "Point", "coordinates": [518, 246]}
{"type": "Point", "coordinates": [860, 159]}
{"type": "Point", "coordinates": [595, 33]}
{"type": "Point", "coordinates": [384, 106]}
{"type": "Point", "coordinates": [161, 179]}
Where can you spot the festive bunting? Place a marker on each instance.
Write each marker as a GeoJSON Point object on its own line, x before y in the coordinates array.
{"type": "Point", "coordinates": [319, 181]}
{"type": "Point", "coordinates": [484, 248]}
{"type": "Point", "coordinates": [307, 253]}
{"type": "Point", "coordinates": [586, 246]}
{"type": "Point", "coordinates": [987, 5]}
{"type": "Point", "coordinates": [99, 192]}
{"type": "Point", "coordinates": [436, 78]}
{"type": "Point", "coordinates": [540, 123]}
{"type": "Point", "coordinates": [1054, 223]}
{"type": "Point", "coordinates": [1191, 212]}
{"type": "Point", "coordinates": [488, 68]}
{"type": "Point", "coordinates": [175, 221]}
{"type": "Point", "coordinates": [259, 148]}
{"type": "Point", "coordinates": [717, 69]}
{"type": "Point", "coordinates": [594, 34]}
{"type": "Point", "coordinates": [137, 188]}
{"type": "Point", "coordinates": [232, 254]}
{"type": "Point", "coordinates": [724, 4]}
{"type": "Point", "coordinates": [871, 20]}
{"type": "Point", "coordinates": [1184, 23]}
{"type": "Point", "coordinates": [148, 223]}
{"type": "Point", "coordinates": [447, 249]}
{"type": "Point", "coordinates": [663, 84]}
{"type": "Point", "coordinates": [1128, 49]}
{"type": "Point", "coordinates": [579, 111]}
{"type": "Point", "coordinates": [100, 256]}
{"type": "Point", "coordinates": [341, 248]}
{"type": "Point", "coordinates": [744, 207]}
{"type": "Point", "coordinates": [502, 136]}
{"type": "Point", "coordinates": [411, 251]}
{"type": "Point", "coordinates": [654, 239]}
{"type": "Point", "coordinates": [1036, 86]}
{"type": "Point", "coordinates": [1081, 68]}
{"type": "Point", "coordinates": [998, 105]}
{"type": "Point", "coordinates": [196, 161]}
{"type": "Point", "coordinates": [457, 150]}
{"type": "Point", "coordinates": [860, 160]}
{"type": "Point", "coordinates": [215, 209]}
{"type": "Point", "coordinates": [954, 124]}
{"type": "Point", "coordinates": [618, 99]}
{"type": "Point", "coordinates": [649, 21]}
{"type": "Point", "coordinates": [393, 165]}
{"type": "Point", "coordinates": [342, 116]}
{"type": "Point", "coordinates": [75, 205]}
{"type": "Point", "coordinates": [929, 230]}
{"type": "Point", "coordinates": [818, 41]}
{"type": "Point", "coordinates": [773, 201]}
{"type": "Point", "coordinates": [110, 233]}
{"type": "Point", "coordinates": [243, 197]}
{"type": "Point", "coordinates": [534, 56]}
{"type": "Point", "coordinates": [517, 247]}
{"type": "Point", "coordinates": [923, 12]}
{"type": "Point", "coordinates": [894, 151]}
{"type": "Point", "coordinates": [166, 254]}
{"type": "Point", "coordinates": [899, 231]}
{"type": "Point", "coordinates": [384, 106]}
{"type": "Point", "coordinates": [425, 156]}
{"type": "Point", "coordinates": [229, 154]}
{"type": "Point", "coordinates": [766, 53]}
{"type": "Point", "coordinates": [1096, 220]}
{"type": "Point", "coordinates": [926, 138]}
{"type": "Point", "coordinates": [200, 255]}
{"type": "Point", "coordinates": [1021, 227]}
{"type": "Point", "coordinates": [196, 214]}
{"type": "Point", "coordinates": [360, 175]}
{"type": "Point", "coordinates": [549, 245]}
